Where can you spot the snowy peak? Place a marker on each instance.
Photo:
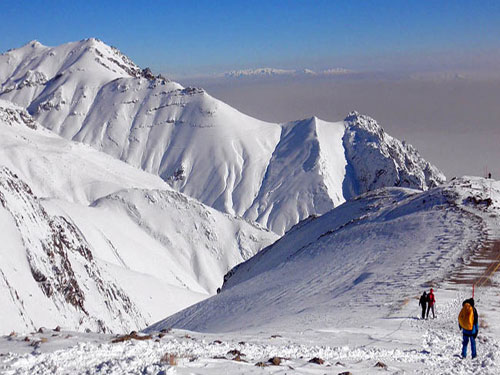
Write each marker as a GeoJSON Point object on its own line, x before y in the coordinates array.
{"type": "Point", "coordinates": [375, 159]}
{"type": "Point", "coordinates": [86, 54]}
{"type": "Point", "coordinates": [356, 119]}
{"type": "Point", "coordinates": [39, 71]}
{"type": "Point", "coordinates": [32, 44]}
{"type": "Point", "coordinates": [304, 175]}
{"type": "Point", "coordinates": [275, 174]}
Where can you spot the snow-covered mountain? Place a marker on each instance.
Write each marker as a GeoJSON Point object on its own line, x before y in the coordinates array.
{"type": "Point", "coordinates": [48, 271]}
{"type": "Point", "coordinates": [275, 174]}
{"type": "Point", "coordinates": [331, 303]}
{"type": "Point", "coordinates": [359, 262]}
{"type": "Point", "coordinates": [92, 242]}
{"type": "Point", "coordinates": [276, 72]}
{"type": "Point", "coordinates": [89, 241]}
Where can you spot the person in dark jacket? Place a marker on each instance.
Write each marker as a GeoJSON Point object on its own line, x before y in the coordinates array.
{"type": "Point", "coordinates": [470, 335]}
{"type": "Point", "coordinates": [431, 300]}
{"type": "Point", "coordinates": [423, 304]}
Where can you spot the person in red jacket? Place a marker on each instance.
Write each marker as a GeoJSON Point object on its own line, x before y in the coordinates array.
{"type": "Point", "coordinates": [430, 303]}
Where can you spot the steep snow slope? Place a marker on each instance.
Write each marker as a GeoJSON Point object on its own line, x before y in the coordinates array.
{"type": "Point", "coordinates": [48, 272]}
{"type": "Point", "coordinates": [277, 174]}
{"type": "Point", "coordinates": [164, 250]}
{"type": "Point", "coordinates": [203, 242]}
{"type": "Point", "coordinates": [304, 175]}
{"type": "Point", "coordinates": [56, 168]}
{"type": "Point", "coordinates": [358, 262]}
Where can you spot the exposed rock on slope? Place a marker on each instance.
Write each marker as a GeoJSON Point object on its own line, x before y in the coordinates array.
{"type": "Point", "coordinates": [47, 256]}
{"type": "Point", "coordinates": [377, 159]}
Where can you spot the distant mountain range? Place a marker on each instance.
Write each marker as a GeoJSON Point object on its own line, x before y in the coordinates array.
{"type": "Point", "coordinates": [273, 72]}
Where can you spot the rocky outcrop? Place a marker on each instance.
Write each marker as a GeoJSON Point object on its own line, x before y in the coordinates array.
{"type": "Point", "coordinates": [60, 262]}
{"type": "Point", "coordinates": [14, 115]}
{"type": "Point", "coordinates": [378, 160]}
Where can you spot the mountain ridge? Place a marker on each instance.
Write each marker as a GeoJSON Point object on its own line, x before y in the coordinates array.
{"type": "Point", "coordinates": [365, 258]}
{"type": "Point", "coordinates": [89, 92]}
{"type": "Point", "coordinates": [89, 242]}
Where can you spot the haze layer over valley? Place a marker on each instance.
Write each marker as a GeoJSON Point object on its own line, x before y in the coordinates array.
{"type": "Point", "coordinates": [451, 117]}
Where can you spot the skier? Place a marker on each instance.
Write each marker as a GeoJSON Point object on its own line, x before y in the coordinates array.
{"type": "Point", "coordinates": [423, 303]}
{"type": "Point", "coordinates": [430, 303]}
{"type": "Point", "coordinates": [468, 323]}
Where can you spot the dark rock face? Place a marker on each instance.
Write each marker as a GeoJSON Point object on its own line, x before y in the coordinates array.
{"type": "Point", "coordinates": [54, 247]}
{"type": "Point", "coordinates": [12, 116]}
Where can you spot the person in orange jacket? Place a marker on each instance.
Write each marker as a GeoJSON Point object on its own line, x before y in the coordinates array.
{"type": "Point", "coordinates": [431, 300]}
{"type": "Point", "coordinates": [470, 335]}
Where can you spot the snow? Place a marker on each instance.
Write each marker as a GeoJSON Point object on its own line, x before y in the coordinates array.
{"type": "Point", "coordinates": [357, 251]}
{"type": "Point", "coordinates": [93, 243]}
{"type": "Point", "coordinates": [349, 297]}
{"type": "Point", "coordinates": [124, 232]}
{"type": "Point", "coordinates": [89, 92]}
{"type": "Point", "coordinates": [404, 343]}
{"type": "Point", "coordinates": [353, 277]}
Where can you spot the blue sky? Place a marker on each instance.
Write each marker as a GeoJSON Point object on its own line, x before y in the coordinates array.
{"type": "Point", "coordinates": [194, 37]}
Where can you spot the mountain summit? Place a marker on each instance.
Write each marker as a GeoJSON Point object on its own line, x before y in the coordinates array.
{"type": "Point", "coordinates": [275, 174]}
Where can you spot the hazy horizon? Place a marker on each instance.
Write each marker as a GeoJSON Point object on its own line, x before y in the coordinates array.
{"type": "Point", "coordinates": [451, 120]}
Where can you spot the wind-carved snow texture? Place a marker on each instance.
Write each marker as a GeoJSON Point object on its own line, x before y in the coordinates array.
{"type": "Point", "coordinates": [61, 264]}
{"type": "Point", "coordinates": [275, 174]}
{"type": "Point", "coordinates": [106, 223]}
